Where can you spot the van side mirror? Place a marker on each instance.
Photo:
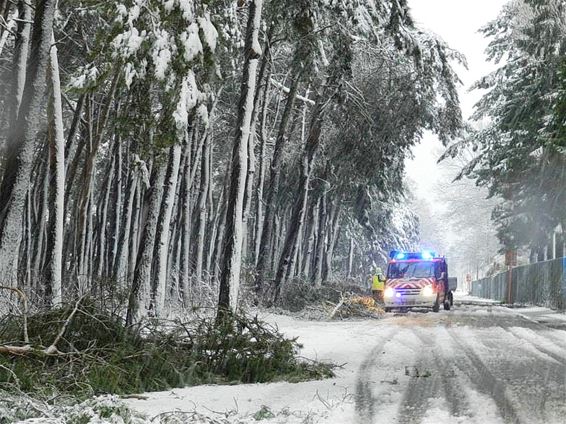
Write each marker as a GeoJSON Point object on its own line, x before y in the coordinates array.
{"type": "Point", "coordinates": [443, 276]}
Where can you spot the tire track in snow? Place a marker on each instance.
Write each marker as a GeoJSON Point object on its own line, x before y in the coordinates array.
{"type": "Point", "coordinates": [550, 368]}
{"type": "Point", "coordinates": [561, 359]}
{"type": "Point", "coordinates": [364, 401]}
{"type": "Point", "coordinates": [441, 382]}
{"type": "Point", "coordinates": [421, 387]}
{"type": "Point", "coordinates": [485, 381]}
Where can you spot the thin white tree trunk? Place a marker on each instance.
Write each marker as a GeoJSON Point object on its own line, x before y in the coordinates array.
{"type": "Point", "coordinates": [122, 254]}
{"type": "Point", "coordinates": [22, 53]}
{"type": "Point", "coordinates": [40, 214]}
{"type": "Point", "coordinates": [261, 178]}
{"type": "Point", "coordinates": [117, 208]}
{"type": "Point", "coordinates": [249, 190]}
{"type": "Point", "coordinates": [351, 257]}
{"type": "Point", "coordinates": [135, 231]}
{"type": "Point", "coordinates": [204, 187]}
{"type": "Point", "coordinates": [165, 228]}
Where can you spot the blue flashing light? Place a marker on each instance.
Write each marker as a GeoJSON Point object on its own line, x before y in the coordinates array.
{"type": "Point", "coordinates": [400, 256]}
{"type": "Point", "coordinates": [427, 255]}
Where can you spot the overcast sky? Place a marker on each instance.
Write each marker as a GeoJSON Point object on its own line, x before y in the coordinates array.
{"type": "Point", "coordinates": [456, 22]}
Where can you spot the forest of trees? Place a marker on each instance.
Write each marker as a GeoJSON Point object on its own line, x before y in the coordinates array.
{"type": "Point", "coordinates": [520, 155]}
{"type": "Point", "coordinates": [166, 149]}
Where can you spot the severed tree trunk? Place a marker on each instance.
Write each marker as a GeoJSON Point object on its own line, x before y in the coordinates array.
{"type": "Point", "coordinates": [232, 261]}
{"type": "Point", "coordinates": [21, 140]}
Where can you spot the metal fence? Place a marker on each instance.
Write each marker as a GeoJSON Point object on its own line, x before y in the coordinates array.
{"type": "Point", "coordinates": [541, 284]}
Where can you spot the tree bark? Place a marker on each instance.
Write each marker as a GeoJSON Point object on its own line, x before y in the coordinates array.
{"type": "Point", "coordinates": [164, 228]}
{"type": "Point", "coordinates": [14, 186]}
{"type": "Point", "coordinates": [273, 186]}
{"type": "Point", "coordinates": [139, 303]}
{"type": "Point", "coordinates": [54, 266]}
{"type": "Point", "coordinates": [204, 187]}
{"type": "Point", "coordinates": [298, 214]}
{"type": "Point", "coordinates": [230, 276]}
{"type": "Point", "coordinates": [351, 257]}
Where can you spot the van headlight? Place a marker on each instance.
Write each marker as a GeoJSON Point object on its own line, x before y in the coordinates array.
{"type": "Point", "coordinates": [428, 291]}
{"type": "Point", "coordinates": [389, 292]}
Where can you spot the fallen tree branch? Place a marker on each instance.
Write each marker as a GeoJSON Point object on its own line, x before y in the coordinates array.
{"type": "Point", "coordinates": [338, 306]}
{"type": "Point", "coordinates": [27, 348]}
{"type": "Point", "coordinates": [287, 90]}
{"type": "Point", "coordinates": [16, 350]}
{"type": "Point", "coordinates": [51, 350]}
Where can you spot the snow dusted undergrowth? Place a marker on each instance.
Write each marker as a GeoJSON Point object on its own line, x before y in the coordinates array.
{"type": "Point", "coordinates": [479, 363]}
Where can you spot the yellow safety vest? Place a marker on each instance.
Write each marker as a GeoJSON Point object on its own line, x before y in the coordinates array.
{"type": "Point", "coordinates": [376, 284]}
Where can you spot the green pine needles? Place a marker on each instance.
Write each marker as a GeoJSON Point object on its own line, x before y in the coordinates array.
{"type": "Point", "coordinates": [99, 355]}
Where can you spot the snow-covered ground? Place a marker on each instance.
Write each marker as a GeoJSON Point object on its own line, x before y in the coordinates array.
{"type": "Point", "coordinates": [479, 363]}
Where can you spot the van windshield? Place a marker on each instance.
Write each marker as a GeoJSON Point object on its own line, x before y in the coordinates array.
{"type": "Point", "coordinates": [411, 270]}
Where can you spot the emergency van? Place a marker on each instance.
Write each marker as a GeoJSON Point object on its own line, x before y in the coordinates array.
{"type": "Point", "coordinates": [418, 279]}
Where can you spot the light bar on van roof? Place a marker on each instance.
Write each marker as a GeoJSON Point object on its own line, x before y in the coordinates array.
{"type": "Point", "coordinates": [426, 255]}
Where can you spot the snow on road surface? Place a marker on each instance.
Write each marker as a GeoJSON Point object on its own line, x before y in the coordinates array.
{"type": "Point", "coordinates": [475, 364]}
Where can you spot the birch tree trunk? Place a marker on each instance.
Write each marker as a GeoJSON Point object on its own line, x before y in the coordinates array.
{"type": "Point", "coordinates": [14, 186]}
{"type": "Point", "coordinates": [230, 276]}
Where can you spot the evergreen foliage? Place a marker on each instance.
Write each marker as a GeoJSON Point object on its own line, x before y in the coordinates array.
{"type": "Point", "coordinates": [521, 156]}
{"type": "Point", "coordinates": [99, 355]}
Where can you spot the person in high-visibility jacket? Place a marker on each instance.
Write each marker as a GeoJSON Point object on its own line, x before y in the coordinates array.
{"type": "Point", "coordinates": [378, 285]}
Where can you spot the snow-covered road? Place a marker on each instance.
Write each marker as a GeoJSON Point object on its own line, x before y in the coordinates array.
{"type": "Point", "coordinates": [475, 364]}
